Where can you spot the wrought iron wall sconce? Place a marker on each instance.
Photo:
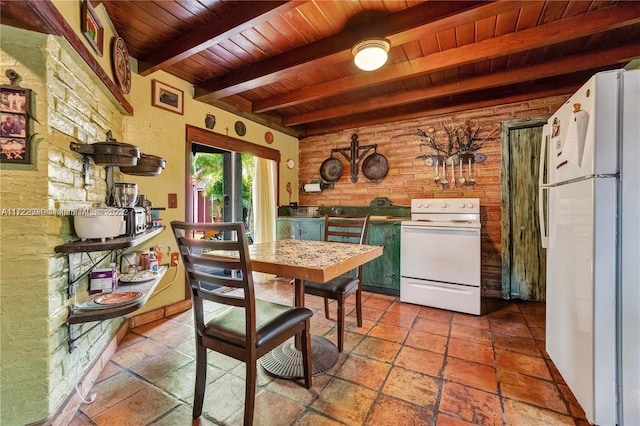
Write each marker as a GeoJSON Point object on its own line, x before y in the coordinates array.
{"type": "Point", "coordinates": [354, 154]}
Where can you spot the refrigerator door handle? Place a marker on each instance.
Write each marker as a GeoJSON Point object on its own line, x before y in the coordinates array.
{"type": "Point", "coordinates": [543, 179]}
{"type": "Point", "coordinates": [542, 215]}
{"type": "Point", "coordinates": [542, 187]}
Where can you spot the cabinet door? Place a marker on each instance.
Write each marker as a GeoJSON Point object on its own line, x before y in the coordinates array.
{"type": "Point", "coordinates": [310, 229]}
{"type": "Point", "coordinates": [383, 273]}
{"type": "Point", "coordinates": [285, 229]}
{"type": "Point", "coordinates": [288, 228]}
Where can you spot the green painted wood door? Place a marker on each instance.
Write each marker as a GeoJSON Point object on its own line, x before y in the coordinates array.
{"type": "Point", "coordinates": [382, 275]}
{"type": "Point", "coordinates": [527, 257]}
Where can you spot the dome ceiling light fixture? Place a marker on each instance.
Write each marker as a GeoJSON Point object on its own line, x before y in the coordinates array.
{"type": "Point", "coordinates": [371, 53]}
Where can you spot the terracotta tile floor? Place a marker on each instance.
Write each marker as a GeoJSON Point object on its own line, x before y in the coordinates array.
{"type": "Point", "coordinates": [407, 365]}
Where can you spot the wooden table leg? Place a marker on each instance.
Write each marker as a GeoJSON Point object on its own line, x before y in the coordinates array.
{"type": "Point", "coordinates": [298, 302]}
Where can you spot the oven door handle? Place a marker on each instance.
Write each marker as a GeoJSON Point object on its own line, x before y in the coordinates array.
{"type": "Point", "coordinates": [417, 229]}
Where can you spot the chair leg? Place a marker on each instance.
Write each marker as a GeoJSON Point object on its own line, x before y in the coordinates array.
{"type": "Point", "coordinates": [201, 380]}
{"type": "Point", "coordinates": [326, 308]}
{"type": "Point", "coordinates": [359, 304]}
{"type": "Point", "coordinates": [250, 391]}
{"type": "Point", "coordinates": [306, 355]}
{"type": "Point", "coordinates": [341, 317]}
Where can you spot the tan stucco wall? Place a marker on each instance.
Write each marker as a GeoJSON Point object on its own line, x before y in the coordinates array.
{"type": "Point", "coordinates": [37, 370]}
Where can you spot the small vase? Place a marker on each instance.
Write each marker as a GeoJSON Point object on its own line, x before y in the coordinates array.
{"type": "Point", "coordinates": [210, 121]}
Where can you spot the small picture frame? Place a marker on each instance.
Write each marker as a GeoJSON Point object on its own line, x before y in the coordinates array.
{"type": "Point", "coordinates": [167, 97]}
{"type": "Point", "coordinates": [92, 27]}
{"type": "Point", "coordinates": [14, 125]}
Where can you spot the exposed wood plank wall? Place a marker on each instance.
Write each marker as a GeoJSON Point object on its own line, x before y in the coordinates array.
{"type": "Point", "coordinates": [409, 178]}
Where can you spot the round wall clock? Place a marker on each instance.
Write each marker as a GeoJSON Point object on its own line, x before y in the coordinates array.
{"type": "Point", "coordinates": [241, 129]}
{"type": "Point", "coordinates": [120, 63]}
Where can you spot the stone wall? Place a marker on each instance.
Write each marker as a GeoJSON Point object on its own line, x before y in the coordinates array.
{"type": "Point", "coordinates": [409, 177]}
{"type": "Point", "coordinates": [38, 371]}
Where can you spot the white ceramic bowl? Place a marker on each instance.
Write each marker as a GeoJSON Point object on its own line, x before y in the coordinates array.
{"type": "Point", "coordinates": [99, 223]}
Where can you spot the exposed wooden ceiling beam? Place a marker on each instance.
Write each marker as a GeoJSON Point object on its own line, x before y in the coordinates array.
{"type": "Point", "coordinates": [26, 15]}
{"type": "Point", "coordinates": [548, 69]}
{"type": "Point", "coordinates": [237, 20]}
{"type": "Point", "coordinates": [320, 130]}
{"type": "Point", "coordinates": [399, 28]}
{"type": "Point", "coordinates": [620, 15]}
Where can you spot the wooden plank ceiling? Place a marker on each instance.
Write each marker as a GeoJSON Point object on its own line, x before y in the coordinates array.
{"type": "Point", "coordinates": [288, 64]}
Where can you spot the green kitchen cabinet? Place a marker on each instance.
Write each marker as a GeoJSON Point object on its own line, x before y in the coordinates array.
{"type": "Point", "coordinates": [382, 275]}
{"type": "Point", "coordinates": [285, 228]}
{"type": "Point", "coordinates": [307, 228]}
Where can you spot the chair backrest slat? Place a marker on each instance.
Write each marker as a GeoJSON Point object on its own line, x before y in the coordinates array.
{"type": "Point", "coordinates": [215, 262]}
{"type": "Point", "coordinates": [223, 295]}
{"type": "Point", "coordinates": [350, 230]}
{"type": "Point", "coordinates": [347, 230]}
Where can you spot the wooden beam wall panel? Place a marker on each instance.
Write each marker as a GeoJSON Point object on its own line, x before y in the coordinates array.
{"type": "Point", "coordinates": [594, 22]}
{"type": "Point", "coordinates": [238, 20]}
{"type": "Point", "coordinates": [320, 129]}
{"type": "Point", "coordinates": [554, 68]}
{"type": "Point", "coordinates": [400, 28]}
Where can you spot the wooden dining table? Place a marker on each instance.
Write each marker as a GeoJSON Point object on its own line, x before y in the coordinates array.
{"type": "Point", "coordinates": [318, 261]}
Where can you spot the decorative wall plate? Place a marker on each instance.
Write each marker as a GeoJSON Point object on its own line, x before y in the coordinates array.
{"type": "Point", "coordinates": [480, 157]}
{"type": "Point", "coordinates": [241, 129]}
{"type": "Point", "coordinates": [290, 163]}
{"type": "Point", "coordinates": [118, 298]}
{"type": "Point", "coordinates": [120, 63]}
{"type": "Point", "coordinates": [268, 137]}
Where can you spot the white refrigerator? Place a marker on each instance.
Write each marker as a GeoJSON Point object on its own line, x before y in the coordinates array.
{"type": "Point", "coordinates": [590, 223]}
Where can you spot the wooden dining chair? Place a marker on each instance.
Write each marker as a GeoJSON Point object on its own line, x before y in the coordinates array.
{"type": "Point", "coordinates": [249, 327]}
{"type": "Point", "coordinates": [349, 230]}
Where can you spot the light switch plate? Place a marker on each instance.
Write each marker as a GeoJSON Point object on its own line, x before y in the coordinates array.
{"type": "Point", "coordinates": [173, 201]}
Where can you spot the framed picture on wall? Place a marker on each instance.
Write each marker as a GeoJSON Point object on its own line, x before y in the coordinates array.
{"type": "Point", "coordinates": [167, 97]}
{"type": "Point", "coordinates": [92, 27]}
{"type": "Point", "coordinates": [14, 124]}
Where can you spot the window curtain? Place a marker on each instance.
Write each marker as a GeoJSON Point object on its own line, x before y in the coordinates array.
{"type": "Point", "coordinates": [264, 205]}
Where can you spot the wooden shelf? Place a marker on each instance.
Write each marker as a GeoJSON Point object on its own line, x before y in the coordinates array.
{"type": "Point", "coordinates": [111, 244]}
{"type": "Point", "coordinates": [79, 315]}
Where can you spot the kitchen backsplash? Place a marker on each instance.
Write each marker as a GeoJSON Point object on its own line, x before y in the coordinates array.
{"type": "Point", "coordinates": [319, 211]}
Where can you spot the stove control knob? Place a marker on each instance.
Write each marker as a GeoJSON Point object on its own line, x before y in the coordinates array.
{"type": "Point", "coordinates": [469, 205]}
{"type": "Point", "coordinates": [462, 205]}
{"type": "Point", "coordinates": [443, 205]}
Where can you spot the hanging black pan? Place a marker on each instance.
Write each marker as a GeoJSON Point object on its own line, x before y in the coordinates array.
{"type": "Point", "coordinates": [375, 167]}
{"type": "Point", "coordinates": [331, 169]}
{"type": "Point", "coordinates": [148, 165]}
{"type": "Point", "coordinates": [110, 152]}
